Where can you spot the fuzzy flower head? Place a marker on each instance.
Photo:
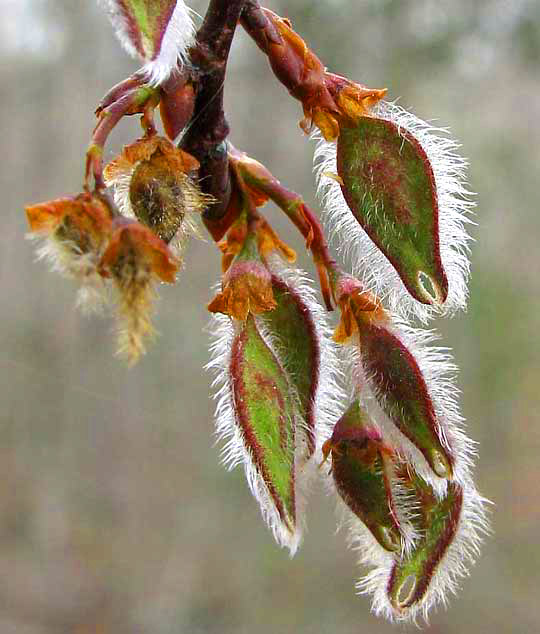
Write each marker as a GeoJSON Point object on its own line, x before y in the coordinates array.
{"type": "Point", "coordinates": [136, 259]}
{"type": "Point", "coordinates": [74, 232]}
{"type": "Point", "coordinates": [152, 184]}
{"type": "Point", "coordinates": [158, 32]}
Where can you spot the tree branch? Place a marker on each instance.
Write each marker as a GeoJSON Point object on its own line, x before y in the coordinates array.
{"type": "Point", "coordinates": [328, 100]}
{"type": "Point", "coordinates": [205, 138]}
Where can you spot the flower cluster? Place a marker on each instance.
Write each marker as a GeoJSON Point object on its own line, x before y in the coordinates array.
{"type": "Point", "coordinates": [129, 248]}
{"type": "Point", "coordinates": [369, 406]}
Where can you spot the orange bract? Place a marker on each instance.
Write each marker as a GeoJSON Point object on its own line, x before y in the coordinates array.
{"type": "Point", "coordinates": [355, 303]}
{"type": "Point", "coordinates": [356, 100]}
{"type": "Point", "coordinates": [143, 150]}
{"type": "Point", "coordinates": [90, 215]}
{"type": "Point", "coordinates": [328, 100]}
{"type": "Point", "coordinates": [351, 101]}
{"type": "Point", "coordinates": [247, 288]}
{"type": "Point", "coordinates": [132, 240]}
{"type": "Point", "coordinates": [269, 241]}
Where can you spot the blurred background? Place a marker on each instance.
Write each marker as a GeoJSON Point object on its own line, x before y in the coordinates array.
{"type": "Point", "coordinates": [115, 513]}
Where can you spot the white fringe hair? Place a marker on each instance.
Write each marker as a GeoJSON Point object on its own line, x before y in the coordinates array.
{"type": "Point", "coordinates": [454, 202]}
{"type": "Point", "coordinates": [65, 257]}
{"type": "Point", "coordinates": [327, 401]}
{"type": "Point", "coordinates": [461, 553]}
{"type": "Point", "coordinates": [439, 372]}
{"type": "Point", "coordinates": [177, 39]}
{"type": "Point", "coordinates": [330, 398]}
{"type": "Point", "coordinates": [234, 451]}
{"type": "Point", "coordinates": [359, 536]}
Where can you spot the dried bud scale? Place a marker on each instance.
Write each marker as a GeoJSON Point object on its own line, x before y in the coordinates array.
{"type": "Point", "coordinates": [374, 404]}
{"type": "Point", "coordinates": [247, 285]}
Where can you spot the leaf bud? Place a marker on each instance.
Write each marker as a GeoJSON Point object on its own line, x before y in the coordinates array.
{"type": "Point", "coordinates": [395, 197]}
{"type": "Point", "coordinates": [158, 32]}
{"type": "Point", "coordinates": [402, 393]}
{"type": "Point", "coordinates": [362, 472]}
{"type": "Point", "coordinates": [295, 327]}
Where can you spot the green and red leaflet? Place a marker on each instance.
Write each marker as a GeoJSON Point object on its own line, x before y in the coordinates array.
{"type": "Point", "coordinates": [158, 32]}
{"type": "Point", "coordinates": [293, 326]}
{"type": "Point", "coordinates": [265, 414]}
{"type": "Point", "coordinates": [388, 183]}
{"type": "Point", "coordinates": [437, 522]}
{"type": "Point", "coordinates": [362, 472]}
{"type": "Point", "coordinates": [400, 387]}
